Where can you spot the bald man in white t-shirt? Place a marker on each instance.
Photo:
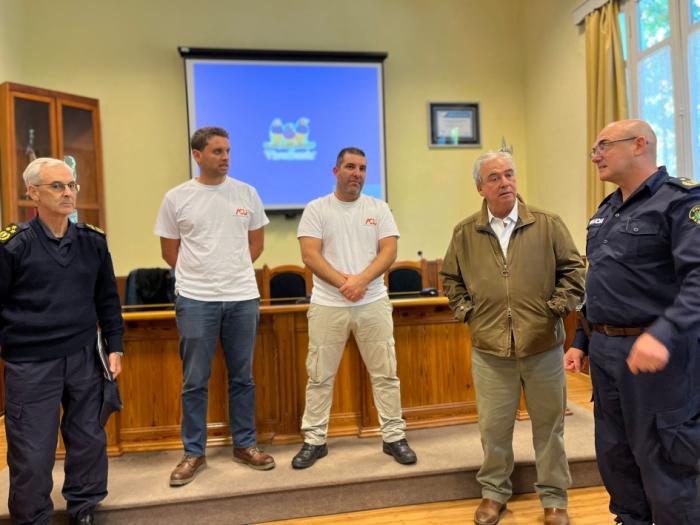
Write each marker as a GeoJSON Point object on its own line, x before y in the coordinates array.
{"type": "Point", "coordinates": [211, 231]}
{"type": "Point", "coordinates": [349, 240]}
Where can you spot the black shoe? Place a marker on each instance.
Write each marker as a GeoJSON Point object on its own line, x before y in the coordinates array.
{"type": "Point", "coordinates": [401, 451]}
{"type": "Point", "coordinates": [308, 455]}
{"type": "Point", "coordinates": [84, 519]}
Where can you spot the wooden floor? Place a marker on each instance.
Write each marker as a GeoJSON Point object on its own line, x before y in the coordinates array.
{"type": "Point", "coordinates": [588, 506]}
{"type": "Point", "coordinates": [579, 390]}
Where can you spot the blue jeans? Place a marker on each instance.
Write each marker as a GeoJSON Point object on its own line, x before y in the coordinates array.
{"type": "Point", "coordinates": [201, 324]}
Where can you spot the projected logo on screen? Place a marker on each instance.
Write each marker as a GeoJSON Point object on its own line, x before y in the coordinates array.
{"type": "Point", "coordinates": [289, 141]}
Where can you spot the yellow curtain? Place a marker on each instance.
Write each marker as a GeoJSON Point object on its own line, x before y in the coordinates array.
{"type": "Point", "coordinates": [606, 86]}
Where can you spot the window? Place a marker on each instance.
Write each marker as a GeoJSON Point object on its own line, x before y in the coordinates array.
{"type": "Point", "coordinates": [662, 51]}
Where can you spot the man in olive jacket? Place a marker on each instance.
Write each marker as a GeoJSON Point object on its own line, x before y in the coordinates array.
{"type": "Point", "coordinates": [513, 272]}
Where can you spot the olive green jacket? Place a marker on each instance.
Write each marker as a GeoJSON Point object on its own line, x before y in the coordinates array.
{"type": "Point", "coordinates": [517, 302]}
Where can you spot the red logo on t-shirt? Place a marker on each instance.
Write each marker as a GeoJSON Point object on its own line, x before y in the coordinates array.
{"type": "Point", "coordinates": [371, 221]}
{"type": "Point", "coordinates": [241, 211]}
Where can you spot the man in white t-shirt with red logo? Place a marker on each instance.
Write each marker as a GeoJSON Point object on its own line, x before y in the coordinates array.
{"type": "Point", "coordinates": [211, 230]}
{"type": "Point", "coordinates": [349, 240]}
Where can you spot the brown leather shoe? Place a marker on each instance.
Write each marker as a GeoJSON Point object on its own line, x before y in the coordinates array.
{"type": "Point", "coordinates": [187, 469]}
{"type": "Point", "coordinates": [556, 517]}
{"type": "Point", "coordinates": [489, 512]}
{"type": "Point", "coordinates": [254, 458]}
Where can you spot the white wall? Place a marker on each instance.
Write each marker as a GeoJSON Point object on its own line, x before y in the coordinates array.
{"type": "Point", "coordinates": [556, 113]}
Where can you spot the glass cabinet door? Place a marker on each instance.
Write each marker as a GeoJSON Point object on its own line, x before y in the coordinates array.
{"type": "Point", "coordinates": [78, 144]}
{"type": "Point", "coordinates": [33, 136]}
{"type": "Point", "coordinates": [37, 122]}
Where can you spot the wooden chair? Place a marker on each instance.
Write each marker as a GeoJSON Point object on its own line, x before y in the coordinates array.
{"type": "Point", "coordinates": [438, 278]}
{"type": "Point", "coordinates": [407, 278]}
{"type": "Point", "coordinates": [286, 284]}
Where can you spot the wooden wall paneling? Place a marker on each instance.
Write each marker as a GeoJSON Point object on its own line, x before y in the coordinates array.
{"type": "Point", "coordinates": [2, 393]}
{"type": "Point", "coordinates": [3, 443]}
{"type": "Point", "coordinates": [433, 361]}
{"type": "Point", "coordinates": [150, 385]}
{"type": "Point", "coordinates": [266, 377]}
{"type": "Point", "coordinates": [570, 329]}
{"type": "Point", "coordinates": [521, 414]}
{"type": "Point", "coordinates": [433, 277]}
{"type": "Point", "coordinates": [277, 413]}
{"type": "Point", "coordinates": [434, 350]}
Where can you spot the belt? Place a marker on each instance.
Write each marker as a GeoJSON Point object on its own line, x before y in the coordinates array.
{"type": "Point", "coordinates": [617, 331]}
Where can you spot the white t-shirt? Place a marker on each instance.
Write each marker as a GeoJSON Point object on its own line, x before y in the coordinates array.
{"type": "Point", "coordinates": [350, 232]}
{"type": "Point", "coordinates": [212, 223]}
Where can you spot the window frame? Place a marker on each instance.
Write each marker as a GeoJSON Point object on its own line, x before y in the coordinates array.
{"type": "Point", "coordinates": [680, 31]}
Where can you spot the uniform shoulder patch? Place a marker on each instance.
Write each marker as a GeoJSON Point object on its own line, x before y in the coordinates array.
{"type": "Point", "coordinates": [86, 226]}
{"type": "Point", "coordinates": [682, 182]}
{"type": "Point", "coordinates": [10, 231]}
{"type": "Point", "coordinates": [694, 214]}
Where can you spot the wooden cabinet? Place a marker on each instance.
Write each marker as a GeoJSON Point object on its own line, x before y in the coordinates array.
{"type": "Point", "coordinates": [36, 122]}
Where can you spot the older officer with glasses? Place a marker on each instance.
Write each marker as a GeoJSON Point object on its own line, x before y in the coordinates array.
{"type": "Point", "coordinates": [641, 331]}
{"type": "Point", "coordinates": [56, 285]}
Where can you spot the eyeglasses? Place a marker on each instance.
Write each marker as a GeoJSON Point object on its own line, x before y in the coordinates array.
{"type": "Point", "coordinates": [60, 187]}
{"type": "Point", "coordinates": [603, 145]}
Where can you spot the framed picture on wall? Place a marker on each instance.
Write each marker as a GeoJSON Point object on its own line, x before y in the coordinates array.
{"type": "Point", "coordinates": [454, 125]}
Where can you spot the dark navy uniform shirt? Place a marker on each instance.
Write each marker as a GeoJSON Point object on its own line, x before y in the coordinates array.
{"type": "Point", "coordinates": [53, 293]}
{"type": "Point", "coordinates": [61, 245]}
{"type": "Point", "coordinates": [644, 259]}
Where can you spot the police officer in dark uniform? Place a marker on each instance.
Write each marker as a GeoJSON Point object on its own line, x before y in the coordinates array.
{"type": "Point", "coordinates": [641, 331]}
{"type": "Point", "coordinates": [56, 285]}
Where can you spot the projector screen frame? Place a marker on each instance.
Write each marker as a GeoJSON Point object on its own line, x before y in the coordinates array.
{"type": "Point", "coordinates": [298, 56]}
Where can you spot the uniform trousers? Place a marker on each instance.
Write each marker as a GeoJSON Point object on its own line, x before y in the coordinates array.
{"type": "Point", "coordinates": [498, 382]}
{"type": "Point", "coordinates": [647, 432]}
{"type": "Point", "coordinates": [373, 329]}
{"type": "Point", "coordinates": [34, 393]}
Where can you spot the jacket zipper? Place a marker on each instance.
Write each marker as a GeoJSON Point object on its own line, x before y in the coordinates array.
{"type": "Point", "coordinates": [509, 311]}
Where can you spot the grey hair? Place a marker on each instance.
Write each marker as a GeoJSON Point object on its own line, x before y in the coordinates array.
{"type": "Point", "coordinates": [32, 173]}
{"type": "Point", "coordinates": [490, 155]}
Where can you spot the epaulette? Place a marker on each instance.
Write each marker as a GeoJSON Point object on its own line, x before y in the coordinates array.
{"type": "Point", "coordinates": [682, 182]}
{"type": "Point", "coordinates": [86, 226]}
{"type": "Point", "coordinates": [11, 230]}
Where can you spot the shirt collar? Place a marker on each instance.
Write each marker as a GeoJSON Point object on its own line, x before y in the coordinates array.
{"type": "Point", "coordinates": [512, 216]}
{"type": "Point", "coordinates": [652, 183]}
{"type": "Point", "coordinates": [657, 179]}
{"type": "Point", "coordinates": [49, 234]}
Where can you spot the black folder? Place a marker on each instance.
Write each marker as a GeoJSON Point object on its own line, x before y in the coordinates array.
{"type": "Point", "coordinates": [111, 400]}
